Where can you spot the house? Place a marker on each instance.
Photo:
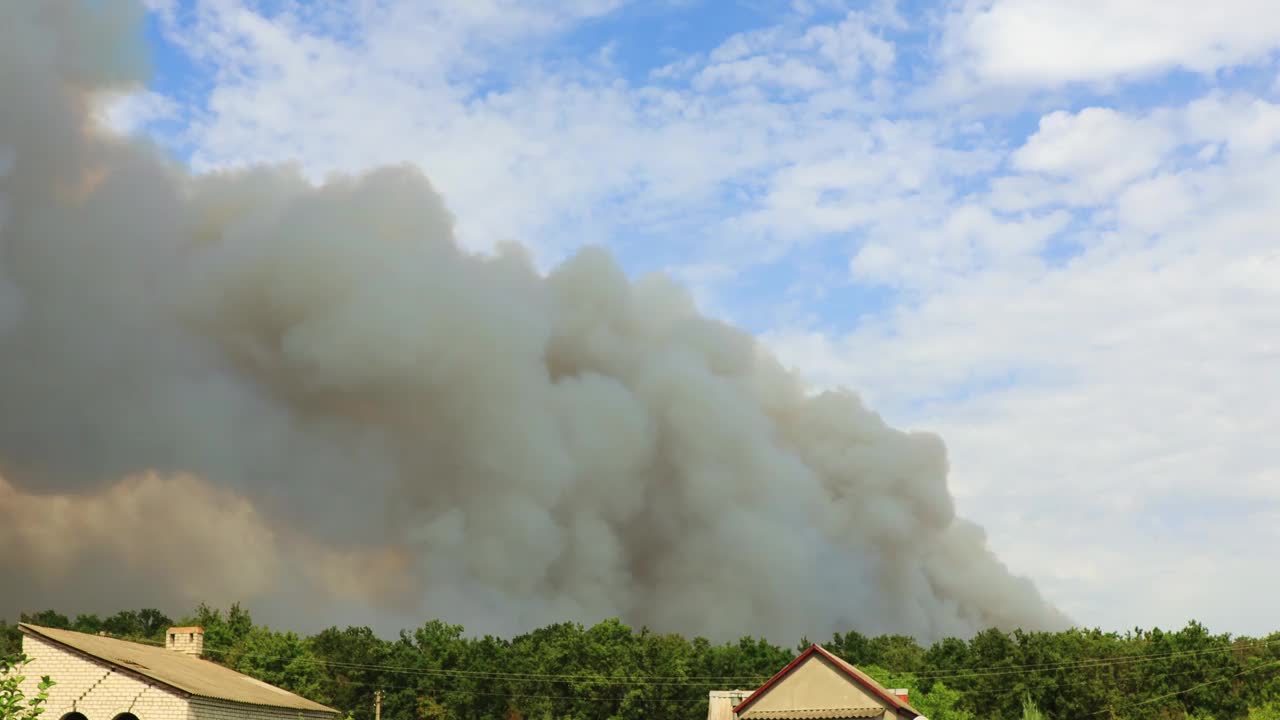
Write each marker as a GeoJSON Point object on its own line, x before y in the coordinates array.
{"type": "Point", "coordinates": [815, 686]}
{"type": "Point", "coordinates": [721, 703]}
{"type": "Point", "coordinates": [102, 678]}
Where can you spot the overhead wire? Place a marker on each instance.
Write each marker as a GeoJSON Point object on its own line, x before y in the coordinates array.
{"type": "Point", "coordinates": [1184, 691]}
{"type": "Point", "coordinates": [596, 682]}
{"type": "Point", "coordinates": [1122, 661]}
{"type": "Point", "coordinates": [1096, 662]}
{"type": "Point", "coordinates": [441, 692]}
{"type": "Point", "coordinates": [707, 680]}
{"type": "Point", "coordinates": [687, 698]}
{"type": "Point", "coordinates": [675, 681]}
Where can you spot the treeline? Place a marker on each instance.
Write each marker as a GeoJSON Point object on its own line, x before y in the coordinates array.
{"type": "Point", "coordinates": [613, 672]}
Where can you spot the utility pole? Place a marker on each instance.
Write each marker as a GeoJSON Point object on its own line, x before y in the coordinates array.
{"type": "Point", "coordinates": [377, 705]}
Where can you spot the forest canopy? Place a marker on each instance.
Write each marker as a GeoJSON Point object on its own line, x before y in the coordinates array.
{"type": "Point", "coordinates": [610, 671]}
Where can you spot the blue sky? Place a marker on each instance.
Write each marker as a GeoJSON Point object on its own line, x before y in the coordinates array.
{"type": "Point", "coordinates": [1041, 229]}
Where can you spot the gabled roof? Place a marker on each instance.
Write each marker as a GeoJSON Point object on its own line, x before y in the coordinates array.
{"type": "Point", "coordinates": [854, 674]}
{"type": "Point", "coordinates": [840, 713]}
{"type": "Point", "coordinates": [179, 671]}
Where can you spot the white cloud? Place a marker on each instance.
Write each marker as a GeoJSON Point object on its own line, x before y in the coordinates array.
{"type": "Point", "coordinates": [1046, 43]}
{"type": "Point", "coordinates": [1109, 420]}
{"type": "Point", "coordinates": [1095, 151]}
{"type": "Point", "coordinates": [926, 251]}
{"type": "Point", "coordinates": [572, 153]}
{"type": "Point", "coordinates": [1248, 125]}
{"type": "Point", "coordinates": [133, 112]}
{"type": "Point", "coordinates": [1090, 404]}
{"type": "Point", "coordinates": [786, 73]}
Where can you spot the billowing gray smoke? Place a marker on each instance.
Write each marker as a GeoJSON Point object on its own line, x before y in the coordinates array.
{"type": "Point", "coordinates": [245, 387]}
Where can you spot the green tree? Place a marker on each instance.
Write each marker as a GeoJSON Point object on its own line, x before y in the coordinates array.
{"type": "Point", "coordinates": [280, 658]}
{"type": "Point", "coordinates": [222, 633]}
{"type": "Point", "coordinates": [610, 671]}
{"type": "Point", "coordinates": [1269, 711]}
{"type": "Point", "coordinates": [853, 647]}
{"type": "Point", "coordinates": [899, 653]}
{"type": "Point", "coordinates": [47, 618]}
{"type": "Point", "coordinates": [348, 662]}
{"type": "Point", "coordinates": [1029, 709]}
{"type": "Point", "coordinates": [90, 623]}
{"type": "Point", "coordinates": [10, 639]}
{"type": "Point", "coordinates": [145, 624]}
{"type": "Point", "coordinates": [938, 703]}
{"type": "Point", "coordinates": [14, 705]}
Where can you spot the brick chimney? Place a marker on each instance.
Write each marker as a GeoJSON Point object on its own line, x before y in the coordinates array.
{"type": "Point", "coordinates": [186, 640]}
{"type": "Point", "coordinates": [901, 694]}
{"type": "Point", "coordinates": [721, 703]}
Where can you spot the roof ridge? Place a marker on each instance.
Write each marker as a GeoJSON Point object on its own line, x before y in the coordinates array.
{"type": "Point", "coordinates": [847, 668]}
{"type": "Point", "coordinates": [186, 674]}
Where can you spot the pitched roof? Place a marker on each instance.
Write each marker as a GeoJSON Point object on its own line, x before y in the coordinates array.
{"type": "Point", "coordinates": [848, 713]}
{"type": "Point", "coordinates": [852, 672]}
{"type": "Point", "coordinates": [182, 672]}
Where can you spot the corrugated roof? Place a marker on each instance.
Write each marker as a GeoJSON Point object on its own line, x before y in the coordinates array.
{"type": "Point", "coordinates": [186, 673]}
{"type": "Point", "coordinates": [815, 714]}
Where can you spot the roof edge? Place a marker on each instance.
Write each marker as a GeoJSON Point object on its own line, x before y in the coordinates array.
{"type": "Point", "coordinates": [35, 630]}
{"type": "Point", "coordinates": [211, 698]}
{"type": "Point", "coordinates": [892, 700]}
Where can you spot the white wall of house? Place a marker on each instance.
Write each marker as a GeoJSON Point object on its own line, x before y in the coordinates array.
{"type": "Point", "coordinates": [816, 684]}
{"type": "Point", "coordinates": [96, 690]}
{"type": "Point", "coordinates": [101, 692]}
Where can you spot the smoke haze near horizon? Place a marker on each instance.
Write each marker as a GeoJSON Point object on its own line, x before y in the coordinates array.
{"type": "Point", "coordinates": [241, 386]}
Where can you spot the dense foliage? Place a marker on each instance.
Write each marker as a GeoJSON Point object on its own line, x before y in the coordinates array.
{"type": "Point", "coordinates": [613, 672]}
{"type": "Point", "coordinates": [14, 702]}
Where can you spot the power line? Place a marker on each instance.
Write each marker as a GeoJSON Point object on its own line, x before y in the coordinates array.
{"type": "Point", "coordinates": [632, 689]}
{"type": "Point", "coordinates": [627, 695]}
{"type": "Point", "coordinates": [689, 680]}
{"type": "Point", "coordinates": [1095, 662]}
{"type": "Point", "coordinates": [1166, 696]}
{"type": "Point", "coordinates": [675, 680]}
{"type": "Point", "coordinates": [697, 698]}
{"type": "Point", "coordinates": [1122, 661]}
{"type": "Point", "coordinates": [530, 696]}
{"type": "Point", "coordinates": [490, 675]}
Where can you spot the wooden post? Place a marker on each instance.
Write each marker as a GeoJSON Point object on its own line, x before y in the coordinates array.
{"type": "Point", "coordinates": [377, 705]}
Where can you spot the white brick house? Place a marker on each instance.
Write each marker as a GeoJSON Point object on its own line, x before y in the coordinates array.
{"type": "Point", "coordinates": [101, 678]}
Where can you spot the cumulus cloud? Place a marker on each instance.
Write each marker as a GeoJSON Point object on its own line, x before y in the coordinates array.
{"type": "Point", "coordinates": [324, 371]}
{"type": "Point", "coordinates": [1042, 43]}
{"type": "Point", "coordinates": [1135, 371]}
{"type": "Point", "coordinates": [1095, 151]}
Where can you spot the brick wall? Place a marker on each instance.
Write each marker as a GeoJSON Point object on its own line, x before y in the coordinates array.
{"type": "Point", "coordinates": [100, 692]}
{"type": "Point", "coordinates": [185, 640]}
{"type": "Point", "coordinates": [95, 689]}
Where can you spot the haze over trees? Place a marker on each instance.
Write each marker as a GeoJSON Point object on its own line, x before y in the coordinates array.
{"type": "Point", "coordinates": [610, 671]}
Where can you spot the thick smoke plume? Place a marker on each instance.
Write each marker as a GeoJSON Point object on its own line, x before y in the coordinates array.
{"type": "Point", "coordinates": [243, 386]}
